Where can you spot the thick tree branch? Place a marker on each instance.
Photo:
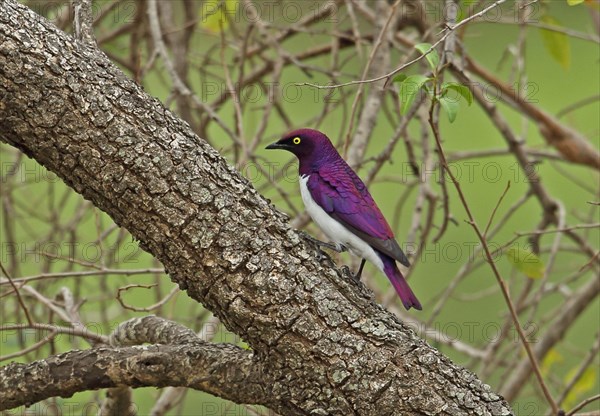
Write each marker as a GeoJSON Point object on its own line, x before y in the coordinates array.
{"type": "Point", "coordinates": [220, 369]}
{"type": "Point", "coordinates": [322, 346]}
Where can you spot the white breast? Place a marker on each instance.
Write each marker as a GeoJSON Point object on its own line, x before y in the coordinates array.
{"type": "Point", "coordinates": [335, 230]}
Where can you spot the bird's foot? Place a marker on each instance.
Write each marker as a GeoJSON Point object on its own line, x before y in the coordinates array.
{"type": "Point", "coordinates": [347, 273]}
{"type": "Point", "coordinates": [337, 247]}
{"type": "Point", "coordinates": [340, 248]}
{"type": "Point", "coordinates": [321, 255]}
{"type": "Point", "coordinates": [353, 278]}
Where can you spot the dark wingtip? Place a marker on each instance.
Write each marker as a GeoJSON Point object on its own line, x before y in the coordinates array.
{"type": "Point", "coordinates": [404, 261]}
{"type": "Point", "coordinates": [401, 257]}
{"type": "Point", "coordinates": [412, 303]}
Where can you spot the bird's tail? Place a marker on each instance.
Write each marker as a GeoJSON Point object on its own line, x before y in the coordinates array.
{"type": "Point", "coordinates": [407, 296]}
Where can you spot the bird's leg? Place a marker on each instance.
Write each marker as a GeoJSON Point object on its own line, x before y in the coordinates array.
{"type": "Point", "coordinates": [338, 248]}
{"type": "Point", "coordinates": [360, 269]}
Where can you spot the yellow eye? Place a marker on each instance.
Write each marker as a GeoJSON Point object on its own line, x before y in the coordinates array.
{"type": "Point", "coordinates": [296, 140]}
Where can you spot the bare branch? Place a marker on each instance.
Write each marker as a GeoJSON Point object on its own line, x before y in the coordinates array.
{"type": "Point", "coordinates": [387, 76]}
{"type": "Point", "coordinates": [219, 369]}
{"type": "Point", "coordinates": [150, 308]}
{"type": "Point", "coordinates": [378, 62]}
{"type": "Point", "coordinates": [569, 312]}
{"type": "Point", "coordinates": [32, 347]}
{"type": "Point", "coordinates": [98, 272]}
{"type": "Point", "coordinates": [570, 143]}
{"type": "Point", "coordinates": [584, 404]}
{"type": "Point", "coordinates": [80, 332]}
{"type": "Point", "coordinates": [524, 341]}
{"type": "Point", "coordinates": [585, 364]}
{"type": "Point", "coordinates": [16, 289]}
{"type": "Point", "coordinates": [178, 84]}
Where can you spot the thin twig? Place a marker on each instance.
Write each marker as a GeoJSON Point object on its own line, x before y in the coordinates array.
{"type": "Point", "coordinates": [503, 287]}
{"type": "Point", "coordinates": [562, 229]}
{"type": "Point", "coordinates": [577, 105]}
{"type": "Point", "coordinates": [150, 308]}
{"type": "Point", "coordinates": [584, 404]}
{"type": "Point", "coordinates": [48, 302]}
{"type": "Point", "coordinates": [589, 263]}
{"type": "Point", "coordinates": [178, 84]}
{"type": "Point", "coordinates": [123, 272]}
{"type": "Point", "coordinates": [367, 119]}
{"type": "Point", "coordinates": [81, 332]}
{"type": "Point", "coordinates": [550, 263]}
{"type": "Point", "coordinates": [554, 28]}
{"type": "Point", "coordinates": [449, 31]}
{"type": "Point", "coordinates": [33, 347]}
{"type": "Point", "coordinates": [585, 364]}
{"type": "Point", "coordinates": [487, 227]}
{"type": "Point", "coordinates": [238, 117]}
{"type": "Point", "coordinates": [12, 283]}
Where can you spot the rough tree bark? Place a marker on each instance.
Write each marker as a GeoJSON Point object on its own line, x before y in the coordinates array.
{"type": "Point", "coordinates": [320, 345]}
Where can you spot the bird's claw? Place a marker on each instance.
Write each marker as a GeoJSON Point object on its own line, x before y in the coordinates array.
{"type": "Point", "coordinates": [340, 248]}
{"type": "Point", "coordinates": [321, 255]}
{"type": "Point", "coordinates": [309, 238]}
{"type": "Point", "coordinates": [347, 273]}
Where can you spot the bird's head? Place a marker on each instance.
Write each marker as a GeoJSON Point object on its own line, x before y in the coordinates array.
{"type": "Point", "coordinates": [308, 145]}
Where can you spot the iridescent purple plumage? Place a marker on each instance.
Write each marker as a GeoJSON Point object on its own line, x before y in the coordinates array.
{"type": "Point", "coordinates": [339, 202]}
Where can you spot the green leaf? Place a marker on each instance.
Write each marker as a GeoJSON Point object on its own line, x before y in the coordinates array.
{"type": "Point", "coordinates": [215, 14]}
{"type": "Point", "coordinates": [245, 346]}
{"type": "Point", "coordinates": [409, 88]}
{"type": "Point", "coordinates": [428, 90]}
{"type": "Point", "coordinates": [583, 386]}
{"type": "Point", "coordinates": [525, 261]}
{"type": "Point", "coordinates": [450, 106]}
{"type": "Point", "coordinates": [461, 89]}
{"type": "Point", "coordinates": [574, 2]}
{"type": "Point", "coordinates": [398, 79]}
{"type": "Point", "coordinates": [432, 57]}
{"type": "Point", "coordinates": [551, 358]}
{"type": "Point", "coordinates": [556, 43]}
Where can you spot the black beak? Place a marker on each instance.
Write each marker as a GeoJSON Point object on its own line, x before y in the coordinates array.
{"type": "Point", "coordinates": [277, 145]}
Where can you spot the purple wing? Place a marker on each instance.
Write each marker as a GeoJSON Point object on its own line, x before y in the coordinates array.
{"type": "Point", "coordinates": [344, 196]}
